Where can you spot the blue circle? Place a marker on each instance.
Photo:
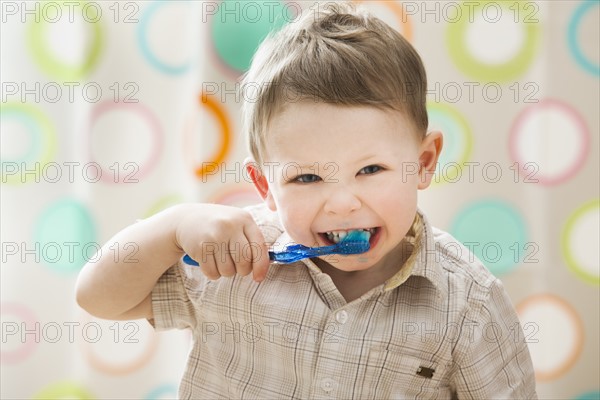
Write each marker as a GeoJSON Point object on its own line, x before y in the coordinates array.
{"type": "Point", "coordinates": [236, 32]}
{"type": "Point", "coordinates": [145, 47]}
{"type": "Point", "coordinates": [458, 141]}
{"type": "Point", "coordinates": [166, 389]}
{"type": "Point", "coordinates": [595, 395]}
{"type": "Point", "coordinates": [495, 232]}
{"type": "Point", "coordinates": [576, 51]}
{"type": "Point", "coordinates": [452, 138]}
{"type": "Point", "coordinates": [65, 235]}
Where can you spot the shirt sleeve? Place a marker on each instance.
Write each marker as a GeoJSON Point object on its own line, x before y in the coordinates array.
{"type": "Point", "coordinates": [492, 358]}
{"type": "Point", "coordinates": [177, 298]}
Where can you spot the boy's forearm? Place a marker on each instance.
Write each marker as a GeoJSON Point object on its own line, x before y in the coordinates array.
{"type": "Point", "coordinates": [129, 265]}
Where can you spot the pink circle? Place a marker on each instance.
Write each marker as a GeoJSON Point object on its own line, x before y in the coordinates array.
{"type": "Point", "coordinates": [237, 195]}
{"type": "Point", "coordinates": [27, 316]}
{"type": "Point", "coordinates": [119, 367]}
{"type": "Point", "coordinates": [517, 129]}
{"type": "Point", "coordinates": [151, 120]}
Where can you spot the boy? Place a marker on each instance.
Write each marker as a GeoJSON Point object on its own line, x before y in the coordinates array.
{"type": "Point", "coordinates": [338, 142]}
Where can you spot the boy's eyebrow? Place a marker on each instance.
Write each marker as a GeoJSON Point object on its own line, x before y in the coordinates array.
{"type": "Point", "coordinates": [314, 165]}
{"type": "Point", "coordinates": [368, 157]}
{"type": "Point", "coordinates": [319, 164]}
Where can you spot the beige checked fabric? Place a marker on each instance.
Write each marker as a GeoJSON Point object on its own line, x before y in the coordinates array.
{"type": "Point", "coordinates": [444, 329]}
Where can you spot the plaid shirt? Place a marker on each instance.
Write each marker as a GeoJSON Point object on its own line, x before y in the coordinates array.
{"type": "Point", "coordinates": [442, 327]}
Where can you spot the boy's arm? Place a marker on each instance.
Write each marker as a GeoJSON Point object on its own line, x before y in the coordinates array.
{"type": "Point", "coordinates": [493, 359]}
{"type": "Point", "coordinates": [118, 284]}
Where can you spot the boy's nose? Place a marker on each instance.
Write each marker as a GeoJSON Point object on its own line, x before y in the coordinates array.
{"type": "Point", "coordinates": [342, 202]}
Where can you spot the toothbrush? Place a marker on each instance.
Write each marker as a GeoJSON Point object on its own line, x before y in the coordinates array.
{"type": "Point", "coordinates": [355, 242]}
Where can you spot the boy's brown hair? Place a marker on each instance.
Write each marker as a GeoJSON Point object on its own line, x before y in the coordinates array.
{"type": "Point", "coordinates": [335, 54]}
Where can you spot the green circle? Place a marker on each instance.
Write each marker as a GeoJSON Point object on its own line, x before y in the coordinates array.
{"type": "Point", "coordinates": [494, 231]}
{"type": "Point", "coordinates": [163, 203]}
{"type": "Point", "coordinates": [239, 27]}
{"type": "Point", "coordinates": [458, 139]}
{"type": "Point", "coordinates": [595, 395]}
{"type": "Point", "coordinates": [48, 62]}
{"type": "Point", "coordinates": [482, 71]}
{"type": "Point", "coordinates": [63, 390]}
{"type": "Point", "coordinates": [41, 128]}
{"type": "Point", "coordinates": [570, 259]}
{"type": "Point", "coordinates": [65, 236]}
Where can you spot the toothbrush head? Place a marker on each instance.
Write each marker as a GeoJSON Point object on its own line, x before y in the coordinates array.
{"type": "Point", "coordinates": [355, 242]}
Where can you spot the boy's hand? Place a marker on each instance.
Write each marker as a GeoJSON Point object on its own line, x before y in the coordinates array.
{"type": "Point", "coordinates": [224, 240]}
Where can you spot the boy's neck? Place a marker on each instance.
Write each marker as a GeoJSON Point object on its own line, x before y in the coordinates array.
{"type": "Point", "coordinates": [354, 284]}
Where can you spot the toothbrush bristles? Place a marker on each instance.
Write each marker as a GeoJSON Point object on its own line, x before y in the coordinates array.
{"type": "Point", "coordinates": [354, 247]}
{"type": "Point", "coordinates": [355, 242]}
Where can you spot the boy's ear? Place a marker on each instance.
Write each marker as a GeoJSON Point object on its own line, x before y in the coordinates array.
{"type": "Point", "coordinates": [431, 147]}
{"type": "Point", "coordinates": [260, 182]}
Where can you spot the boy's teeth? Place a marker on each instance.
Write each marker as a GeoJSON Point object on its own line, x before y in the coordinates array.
{"type": "Point", "coordinates": [338, 236]}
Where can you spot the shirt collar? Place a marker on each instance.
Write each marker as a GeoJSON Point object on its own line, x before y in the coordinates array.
{"type": "Point", "coordinates": [421, 263]}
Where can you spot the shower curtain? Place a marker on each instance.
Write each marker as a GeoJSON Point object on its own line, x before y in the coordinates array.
{"type": "Point", "coordinates": [114, 110]}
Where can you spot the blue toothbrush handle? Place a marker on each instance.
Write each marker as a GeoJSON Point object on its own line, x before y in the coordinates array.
{"type": "Point", "coordinates": [288, 256]}
{"type": "Point", "coordinates": [297, 252]}
{"type": "Point", "coordinates": [284, 257]}
{"type": "Point", "coordinates": [190, 261]}
{"type": "Point", "coordinates": [291, 254]}
{"type": "Point", "coordinates": [280, 256]}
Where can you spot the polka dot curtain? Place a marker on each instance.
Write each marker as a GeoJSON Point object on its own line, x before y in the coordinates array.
{"type": "Point", "coordinates": [112, 111]}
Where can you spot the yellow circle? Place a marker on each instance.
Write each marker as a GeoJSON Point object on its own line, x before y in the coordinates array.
{"type": "Point", "coordinates": [49, 63]}
{"type": "Point", "coordinates": [48, 139]}
{"type": "Point", "coordinates": [567, 251]}
{"type": "Point", "coordinates": [483, 71]}
{"type": "Point", "coordinates": [60, 390]}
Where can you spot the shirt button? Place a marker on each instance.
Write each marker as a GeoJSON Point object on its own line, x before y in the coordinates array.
{"type": "Point", "coordinates": [328, 385]}
{"type": "Point", "coordinates": [341, 317]}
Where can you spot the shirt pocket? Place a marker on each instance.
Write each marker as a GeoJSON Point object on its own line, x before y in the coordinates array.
{"type": "Point", "coordinates": [391, 374]}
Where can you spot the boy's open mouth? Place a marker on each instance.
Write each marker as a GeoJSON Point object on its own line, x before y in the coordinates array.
{"type": "Point", "coordinates": [334, 237]}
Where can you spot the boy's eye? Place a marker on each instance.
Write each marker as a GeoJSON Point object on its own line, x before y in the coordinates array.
{"type": "Point", "coordinates": [307, 178]}
{"type": "Point", "coordinates": [370, 169]}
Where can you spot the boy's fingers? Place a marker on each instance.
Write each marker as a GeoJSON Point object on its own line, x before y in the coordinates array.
{"type": "Point", "coordinates": [242, 256]}
{"type": "Point", "coordinates": [259, 251]}
{"type": "Point", "coordinates": [239, 253]}
{"type": "Point", "coordinates": [225, 264]}
{"type": "Point", "coordinates": [209, 268]}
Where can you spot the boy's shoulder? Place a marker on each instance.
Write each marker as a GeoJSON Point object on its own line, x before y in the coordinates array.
{"type": "Point", "coordinates": [461, 281]}
{"type": "Point", "coordinates": [457, 258]}
{"type": "Point", "coordinates": [451, 266]}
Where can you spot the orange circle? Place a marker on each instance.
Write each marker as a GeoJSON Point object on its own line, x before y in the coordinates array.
{"type": "Point", "coordinates": [116, 368]}
{"type": "Point", "coordinates": [405, 21]}
{"type": "Point", "coordinates": [219, 113]}
{"type": "Point", "coordinates": [577, 323]}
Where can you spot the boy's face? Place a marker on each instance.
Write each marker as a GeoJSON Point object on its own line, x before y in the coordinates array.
{"type": "Point", "coordinates": [330, 169]}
